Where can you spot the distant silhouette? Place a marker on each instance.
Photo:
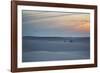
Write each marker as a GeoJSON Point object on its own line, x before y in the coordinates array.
{"type": "Point", "coordinates": [70, 41]}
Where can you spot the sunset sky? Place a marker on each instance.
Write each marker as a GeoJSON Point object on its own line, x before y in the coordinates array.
{"type": "Point", "coordinates": [55, 24]}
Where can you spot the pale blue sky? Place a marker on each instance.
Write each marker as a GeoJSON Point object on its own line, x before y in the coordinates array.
{"type": "Point", "coordinates": [55, 24]}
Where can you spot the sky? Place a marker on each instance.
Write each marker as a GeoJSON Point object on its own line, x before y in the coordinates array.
{"type": "Point", "coordinates": [55, 24]}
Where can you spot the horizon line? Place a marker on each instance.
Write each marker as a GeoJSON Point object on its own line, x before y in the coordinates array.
{"type": "Point", "coordinates": [55, 36]}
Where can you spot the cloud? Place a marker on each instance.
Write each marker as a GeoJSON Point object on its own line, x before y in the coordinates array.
{"type": "Point", "coordinates": [55, 23]}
